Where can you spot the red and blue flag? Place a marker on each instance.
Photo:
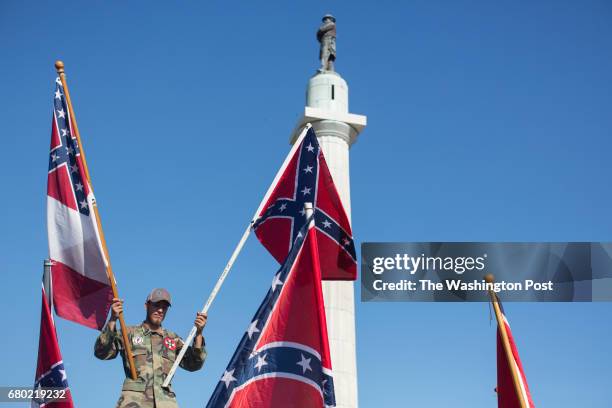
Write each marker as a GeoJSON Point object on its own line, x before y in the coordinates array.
{"type": "Point", "coordinates": [506, 392]}
{"type": "Point", "coordinates": [305, 177]}
{"type": "Point", "coordinates": [81, 289]}
{"type": "Point", "coordinates": [283, 358]}
{"type": "Point", "coordinates": [50, 372]}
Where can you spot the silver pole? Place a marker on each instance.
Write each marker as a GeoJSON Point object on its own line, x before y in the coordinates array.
{"type": "Point", "coordinates": [212, 296]}
{"type": "Point", "coordinates": [309, 209]}
{"type": "Point", "coordinates": [47, 282]}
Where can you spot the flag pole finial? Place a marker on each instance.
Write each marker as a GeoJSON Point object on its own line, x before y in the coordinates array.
{"type": "Point", "coordinates": [489, 278]}
{"type": "Point", "coordinates": [59, 66]}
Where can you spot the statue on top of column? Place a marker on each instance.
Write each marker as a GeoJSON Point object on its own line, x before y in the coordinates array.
{"type": "Point", "coordinates": [327, 37]}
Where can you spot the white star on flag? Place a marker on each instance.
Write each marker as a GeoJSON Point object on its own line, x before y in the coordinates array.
{"type": "Point", "coordinates": [310, 147]}
{"type": "Point", "coordinates": [276, 281]}
{"type": "Point", "coordinates": [70, 150]}
{"type": "Point", "coordinates": [282, 207]}
{"type": "Point", "coordinates": [252, 328]}
{"type": "Point", "coordinates": [302, 212]}
{"type": "Point", "coordinates": [54, 157]}
{"type": "Point", "coordinates": [83, 204]}
{"type": "Point", "coordinates": [63, 373]}
{"type": "Point", "coordinates": [304, 363]}
{"type": "Point", "coordinates": [73, 168]}
{"type": "Point", "coordinates": [64, 132]}
{"type": "Point", "coordinates": [79, 186]}
{"type": "Point", "coordinates": [61, 113]}
{"type": "Point", "coordinates": [58, 95]}
{"type": "Point", "coordinates": [326, 224]}
{"type": "Point", "coordinates": [308, 169]}
{"type": "Point", "coordinates": [346, 241]}
{"type": "Point", "coordinates": [305, 191]}
{"type": "Point", "coordinates": [261, 361]}
{"type": "Point", "coordinates": [228, 377]}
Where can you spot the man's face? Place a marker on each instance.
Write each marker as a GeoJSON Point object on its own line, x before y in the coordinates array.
{"type": "Point", "coordinates": [156, 311]}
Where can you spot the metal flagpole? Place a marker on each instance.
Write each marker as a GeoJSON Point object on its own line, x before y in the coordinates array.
{"type": "Point", "coordinates": [309, 210]}
{"type": "Point", "coordinates": [234, 255]}
{"type": "Point", "coordinates": [59, 66]}
{"type": "Point", "coordinates": [47, 283]}
{"type": "Point", "coordinates": [506, 343]}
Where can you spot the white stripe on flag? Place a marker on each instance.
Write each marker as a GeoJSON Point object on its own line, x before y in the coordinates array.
{"type": "Point", "coordinates": [74, 242]}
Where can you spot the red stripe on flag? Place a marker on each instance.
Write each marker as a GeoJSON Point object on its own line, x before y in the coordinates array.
{"type": "Point", "coordinates": [55, 139]}
{"type": "Point", "coordinates": [276, 392]}
{"type": "Point", "coordinates": [78, 298]}
{"type": "Point", "coordinates": [59, 187]}
{"type": "Point", "coordinates": [506, 392]}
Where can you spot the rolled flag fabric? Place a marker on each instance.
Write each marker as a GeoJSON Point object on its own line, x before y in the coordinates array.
{"type": "Point", "coordinates": [81, 289]}
{"type": "Point", "coordinates": [305, 177]}
{"type": "Point", "coordinates": [283, 358]}
{"type": "Point", "coordinates": [506, 392]}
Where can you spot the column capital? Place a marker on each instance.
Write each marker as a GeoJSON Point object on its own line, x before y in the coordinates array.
{"type": "Point", "coordinates": [316, 116]}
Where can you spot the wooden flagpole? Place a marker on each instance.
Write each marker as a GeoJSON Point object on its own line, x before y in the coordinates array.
{"type": "Point", "coordinates": [59, 66]}
{"type": "Point", "coordinates": [489, 278]}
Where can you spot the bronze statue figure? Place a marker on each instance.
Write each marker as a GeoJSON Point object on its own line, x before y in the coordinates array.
{"type": "Point", "coordinates": [327, 37]}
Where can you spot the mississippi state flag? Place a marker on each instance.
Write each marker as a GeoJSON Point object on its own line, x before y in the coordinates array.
{"type": "Point", "coordinates": [283, 358]}
{"type": "Point", "coordinates": [305, 177]}
{"type": "Point", "coordinates": [81, 289]}
{"type": "Point", "coordinates": [50, 372]}
{"type": "Point", "coordinates": [506, 393]}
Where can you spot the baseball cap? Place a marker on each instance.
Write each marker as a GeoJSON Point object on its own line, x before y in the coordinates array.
{"type": "Point", "coordinates": [159, 294]}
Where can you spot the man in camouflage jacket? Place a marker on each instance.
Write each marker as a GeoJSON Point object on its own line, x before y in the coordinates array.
{"type": "Point", "coordinates": [154, 350]}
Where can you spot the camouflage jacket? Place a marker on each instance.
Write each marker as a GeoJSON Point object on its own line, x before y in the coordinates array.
{"type": "Point", "coordinates": [154, 353]}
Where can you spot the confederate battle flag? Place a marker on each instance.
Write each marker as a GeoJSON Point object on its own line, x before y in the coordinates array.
{"type": "Point", "coordinates": [50, 373]}
{"type": "Point", "coordinates": [283, 358]}
{"type": "Point", "coordinates": [81, 289]}
{"type": "Point", "coordinates": [305, 177]}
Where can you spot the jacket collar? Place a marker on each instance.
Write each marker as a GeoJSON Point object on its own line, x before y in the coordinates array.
{"type": "Point", "coordinates": [146, 331]}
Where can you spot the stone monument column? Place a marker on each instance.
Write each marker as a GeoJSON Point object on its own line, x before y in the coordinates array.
{"type": "Point", "coordinates": [337, 129]}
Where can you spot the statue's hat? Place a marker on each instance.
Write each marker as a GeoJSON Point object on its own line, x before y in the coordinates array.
{"type": "Point", "coordinates": [332, 18]}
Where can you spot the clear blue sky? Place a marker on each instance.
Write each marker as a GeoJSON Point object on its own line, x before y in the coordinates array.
{"type": "Point", "coordinates": [487, 122]}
